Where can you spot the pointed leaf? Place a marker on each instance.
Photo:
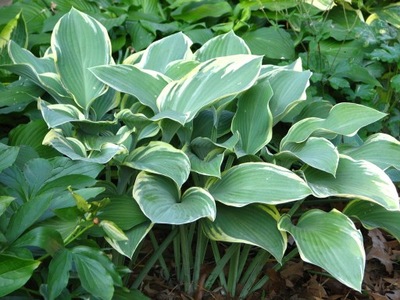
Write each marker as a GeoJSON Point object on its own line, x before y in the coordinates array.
{"type": "Point", "coordinates": [331, 241]}
{"type": "Point", "coordinates": [113, 231]}
{"type": "Point", "coordinates": [209, 82]}
{"type": "Point", "coordinates": [160, 201]}
{"type": "Point", "coordinates": [8, 155]}
{"type": "Point", "coordinates": [258, 183]}
{"type": "Point", "coordinates": [222, 45]}
{"type": "Point", "coordinates": [354, 179]}
{"type": "Point", "coordinates": [58, 277]}
{"type": "Point", "coordinates": [251, 224]}
{"type": "Point", "coordinates": [380, 149]}
{"type": "Point", "coordinates": [161, 158]}
{"type": "Point", "coordinates": [15, 272]}
{"type": "Point", "coordinates": [5, 201]}
{"type": "Point", "coordinates": [374, 216]}
{"type": "Point", "coordinates": [162, 52]}
{"type": "Point", "coordinates": [58, 114]}
{"type": "Point", "coordinates": [318, 153]}
{"type": "Point", "coordinates": [344, 118]}
{"type": "Point", "coordinates": [78, 43]}
{"type": "Point", "coordinates": [253, 105]}
{"type": "Point", "coordinates": [145, 85]}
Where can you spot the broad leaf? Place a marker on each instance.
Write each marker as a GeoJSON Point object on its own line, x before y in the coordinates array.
{"type": "Point", "coordinates": [207, 83]}
{"type": "Point", "coordinates": [161, 202]}
{"type": "Point", "coordinates": [145, 85]}
{"type": "Point", "coordinates": [93, 276]}
{"type": "Point", "coordinates": [15, 272]}
{"type": "Point", "coordinates": [258, 183]}
{"type": "Point", "coordinates": [5, 201]}
{"type": "Point", "coordinates": [195, 11]}
{"type": "Point", "coordinates": [113, 231]}
{"type": "Point", "coordinates": [160, 158]}
{"type": "Point", "coordinates": [8, 155]}
{"type": "Point", "coordinates": [380, 149]}
{"type": "Point", "coordinates": [58, 277]}
{"type": "Point", "coordinates": [43, 237]}
{"type": "Point", "coordinates": [222, 45]}
{"type": "Point", "coordinates": [253, 119]}
{"type": "Point", "coordinates": [58, 114]}
{"type": "Point", "coordinates": [135, 236]}
{"type": "Point", "coordinates": [331, 241]}
{"type": "Point", "coordinates": [354, 179]}
{"type": "Point", "coordinates": [318, 153]}
{"type": "Point", "coordinates": [78, 43]}
{"type": "Point", "coordinates": [251, 224]}
{"type": "Point", "coordinates": [374, 216]}
{"type": "Point", "coordinates": [344, 118]}
{"type": "Point", "coordinates": [162, 52]}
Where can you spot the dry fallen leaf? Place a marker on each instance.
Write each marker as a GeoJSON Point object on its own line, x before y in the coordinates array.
{"type": "Point", "coordinates": [379, 249]}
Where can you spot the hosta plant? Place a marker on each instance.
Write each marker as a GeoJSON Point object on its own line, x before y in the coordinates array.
{"type": "Point", "coordinates": [213, 142]}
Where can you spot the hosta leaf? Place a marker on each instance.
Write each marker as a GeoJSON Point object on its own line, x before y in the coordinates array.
{"type": "Point", "coordinates": [5, 201]}
{"type": "Point", "coordinates": [113, 231]}
{"type": "Point", "coordinates": [161, 158]}
{"type": "Point", "coordinates": [374, 216]}
{"type": "Point", "coordinates": [145, 85]}
{"type": "Point", "coordinates": [209, 82]}
{"type": "Point", "coordinates": [222, 45]}
{"type": "Point", "coordinates": [380, 149]}
{"type": "Point", "coordinates": [179, 68]}
{"type": "Point", "coordinates": [58, 277]}
{"type": "Point", "coordinates": [331, 241]}
{"type": "Point", "coordinates": [253, 105]}
{"type": "Point", "coordinates": [344, 118]}
{"type": "Point", "coordinates": [78, 43]}
{"type": "Point", "coordinates": [251, 224]}
{"type": "Point", "coordinates": [8, 155]}
{"type": "Point", "coordinates": [318, 153]}
{"type": "Point", "coordinates": [15, 272]}
{"type": "Point", "coordinates": [354, 179]}
{"type": "Point", "coordinates": [58, 114]}
{"type": "Point", "coordinates": [135, 236]}
{"type": "Point", "coordinates": [161, 202]}
{"type": "Point", "coordinates": [289, 87]}
{"type": "Point", "coordinates": [194, 11]}
{"type": "Point", "coordinates": [273, 42]}
{"type": "Point", "coordinates": [258, 183]}
{"type": "Point", "coordinates": [75, 149]}
{"type": "Point", "coordinates": [162, 52]}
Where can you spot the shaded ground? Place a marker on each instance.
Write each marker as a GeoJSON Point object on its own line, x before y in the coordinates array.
{"type": "Point", "coordinates": [298, 280]}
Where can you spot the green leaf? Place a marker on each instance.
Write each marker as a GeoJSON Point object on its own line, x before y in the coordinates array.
{"type": "Point", "coordinates": [160, 200]}
{"type": "Point", "coordinates": [75, 149]}
{"type": "Point", "coordinates": [253, 105]}
{"type": "Point", "coordinates": [195, 11]}
{"type": "Point", "coordinates": [15, 272]}
{"type": "Point", "coordinates": [5, 201]}
{"type": "Point", "coordinates": [145, 85]}
{"type": "Point", "coordinates": [78, 43]}
{"type": "Point", "coordinates": [58, 277]}
{"type": "Point", "coordinates": [93, 276]}
{"type": "Point", "coordinates": [250, 224]}
{"type": "Point", "coordinates": [374, 216]}
{"type": "Point", "coordinates": [43, 237]}
{"type": "Point", "coordinates": [344, 118]}
{"type": "Point", "coordinates": [258, 183]}
{"type": "Point", "coordinates": [222, 45]}
{"type": "Point", "coordinates": [8, 155]}
{"type": "Point", "coordinates": [331, 241]}
{"type": "Point", "coordinates": [135, 236]}
{"type": "Point", "coordinates": [380, 149]}
{"type": "Point", "coordinates": [289, 87]}
{"type": "Point", "coordinates": [207, 83]}
{"type": "Point", "coordinates": [162, 52]}
{"type": "Point", "coordinates": [160, 158]}
{"type": "Point", "coordinates": [318, 153]}
{"type": "Point", "coordinates": [113, 231]}
{"type": "Point", "coordinates": [354, 179]}
{"type": "Point", "coordinates": [59, 114]}
{"type": "Point", "coordinates": [273, 42]}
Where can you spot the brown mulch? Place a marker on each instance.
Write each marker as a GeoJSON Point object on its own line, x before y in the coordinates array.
{"type": "Point", "coordinates": [298, 280]}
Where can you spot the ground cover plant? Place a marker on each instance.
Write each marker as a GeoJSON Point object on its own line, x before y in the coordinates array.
{"type": "Point", "coordinates": [226, 152]}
